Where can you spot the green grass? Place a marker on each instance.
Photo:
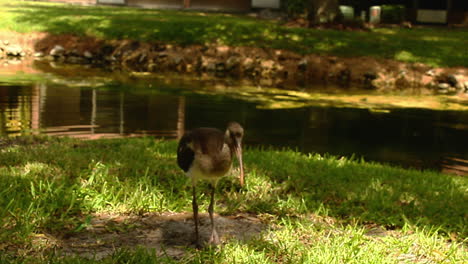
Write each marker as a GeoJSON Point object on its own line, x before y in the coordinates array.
{"type": "Point", "coordinates": [317, 209]}
{"type": "Point", "coordinates": [434, 46]}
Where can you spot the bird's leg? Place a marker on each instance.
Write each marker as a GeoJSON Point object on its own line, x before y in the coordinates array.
{"type": "Point", "coordinates": [214, 239]}
{"type": "Point", "coordinates": [195, 216]}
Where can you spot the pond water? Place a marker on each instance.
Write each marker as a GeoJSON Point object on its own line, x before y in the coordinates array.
{"type": "Point", "coordinates": [164, 107]}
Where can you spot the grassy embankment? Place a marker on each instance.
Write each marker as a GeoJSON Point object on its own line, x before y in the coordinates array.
{"type": "Point", "coordinates": [316, 209]}
{"type": "Point", "coordinates": [434, 46]}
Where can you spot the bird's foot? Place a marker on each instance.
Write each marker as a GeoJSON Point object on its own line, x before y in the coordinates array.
{"type": "Point", "coordinates": [196, 241]}
{"type": "Point", "coordinates": [197, 244]}
{"type": "Point", "coordinates": [214, 238]}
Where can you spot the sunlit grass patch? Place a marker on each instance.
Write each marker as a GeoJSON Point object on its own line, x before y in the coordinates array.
{"type": "Point", "coordinates": [272, 98]}
{"type": "Point", "coordinates": [405, 56]}
{"type": "Point", "coordinates": [307, 241]}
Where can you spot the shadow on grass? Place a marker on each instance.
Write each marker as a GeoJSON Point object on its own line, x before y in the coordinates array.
{"type": "Point", "coordinates": [168, 234]}
{"type": "Point", "coordinates": [436, 46]}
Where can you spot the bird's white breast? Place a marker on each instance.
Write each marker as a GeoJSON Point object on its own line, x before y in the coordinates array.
{"type": "Point", "coordinates": [209, 168]}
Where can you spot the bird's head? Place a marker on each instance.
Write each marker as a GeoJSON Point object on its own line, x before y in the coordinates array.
{"type": "Point", "coordinates": [233, 137]}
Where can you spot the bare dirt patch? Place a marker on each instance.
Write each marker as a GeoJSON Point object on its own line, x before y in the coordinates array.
{"type": "Point", "coordinates": [170, 234]}
{"type": "Point", "coordinates": [26, 41]}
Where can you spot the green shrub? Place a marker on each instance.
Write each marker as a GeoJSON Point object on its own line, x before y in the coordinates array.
{"type": "Point", "coordinates": [294, 7]}
{"type": "Point", "coordinates": [393, 14]}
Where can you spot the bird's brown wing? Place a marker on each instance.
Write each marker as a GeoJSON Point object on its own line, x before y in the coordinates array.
{"type": "Point", "coordinates": [185, 154]}
{"type": "Point", "coordinates": [208, 141]}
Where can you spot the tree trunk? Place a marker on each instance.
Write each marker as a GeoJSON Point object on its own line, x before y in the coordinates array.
{"type": "Point", "coordinates": [323, 11]}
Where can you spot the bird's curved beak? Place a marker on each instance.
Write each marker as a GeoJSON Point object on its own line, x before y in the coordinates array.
{"type": "Point", "coordinates": [241, 165]}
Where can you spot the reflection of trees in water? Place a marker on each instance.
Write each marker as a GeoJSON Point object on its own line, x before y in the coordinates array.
{"type": "Point", "coordinates": [414, 138]}
{"type": "Point", "coordinates": [88, 113]}
{"type": "Point", "coordinates": [18, 109]}
{"type": "Point", "coordinates": [454, 165]}
{"type": "Point", "coordinates": [181, 117]}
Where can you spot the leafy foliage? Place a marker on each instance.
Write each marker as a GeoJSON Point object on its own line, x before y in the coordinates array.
{"type": "Point", "coordinates": [295, 7]}
{"type": "Point", "coordinates": [393, 14]}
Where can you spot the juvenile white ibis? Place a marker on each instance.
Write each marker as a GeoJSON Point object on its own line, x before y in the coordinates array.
{"type": "Point", "coordinates": [207, 153]}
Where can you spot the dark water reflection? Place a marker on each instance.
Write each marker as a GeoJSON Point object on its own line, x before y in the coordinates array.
{"type": "Point", "coordinates": [409, 137]}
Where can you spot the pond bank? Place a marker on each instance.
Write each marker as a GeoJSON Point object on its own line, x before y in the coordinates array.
{"type": "Point", "coordinates": [265, 66]}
